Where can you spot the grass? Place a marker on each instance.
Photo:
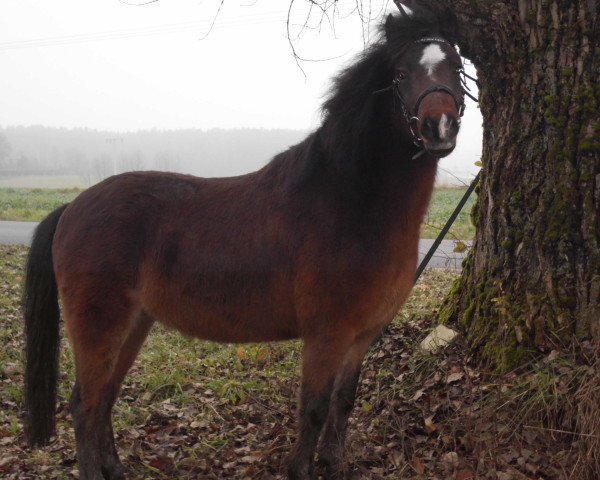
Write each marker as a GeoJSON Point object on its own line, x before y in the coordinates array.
{"type": "Point", "coordinates": [43, 181]}
{"type": "Point", "coordinates": [442, 205]}
{"type": "Point", "coordinates": [34, 204]}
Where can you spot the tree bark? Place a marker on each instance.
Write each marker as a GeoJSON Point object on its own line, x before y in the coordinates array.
{"type": "Point", "coordinates": [532, 280]}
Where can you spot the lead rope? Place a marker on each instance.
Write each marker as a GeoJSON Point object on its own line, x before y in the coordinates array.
{"type": "Point", "coordinates": [447, 226]}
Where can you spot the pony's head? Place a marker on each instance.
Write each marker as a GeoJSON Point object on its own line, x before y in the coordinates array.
{"type": "Point", "coordinates": [426, 67]}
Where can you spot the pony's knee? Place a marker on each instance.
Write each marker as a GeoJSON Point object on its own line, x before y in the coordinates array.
{"type": "Point", "coordinates": [315, 409]}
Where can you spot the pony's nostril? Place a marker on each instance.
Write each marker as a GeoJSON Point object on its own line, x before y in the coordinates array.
{"type": "Point", "coordinates": [429, 129]}
{"type": "Point", "coordinates": [453, 127]}
{"type": "Point", "coordinates": [440, 130]}
{"type": "Point", "coordinates": [448, 127]}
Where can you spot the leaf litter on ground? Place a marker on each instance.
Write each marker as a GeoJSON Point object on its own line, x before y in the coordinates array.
{"type": "Point", "coordinates": [191, 409]}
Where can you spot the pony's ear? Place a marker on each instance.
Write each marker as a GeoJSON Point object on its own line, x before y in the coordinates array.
{"type": "Point", "coordinates": [406, 7]}
{"type": "Point", "coordinates": [390, 27]}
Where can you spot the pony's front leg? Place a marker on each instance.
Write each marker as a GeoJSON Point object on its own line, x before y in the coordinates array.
{"type": "Point", "coordinates": [331, 448]}
{"type": "Point", "coordinates": [321, 360]}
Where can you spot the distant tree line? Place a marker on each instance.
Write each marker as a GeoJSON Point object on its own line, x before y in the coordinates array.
{"type": "Point", "coordinates": [95, 155]}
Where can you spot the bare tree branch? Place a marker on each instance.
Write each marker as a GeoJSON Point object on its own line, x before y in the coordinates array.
{"type": "Point", "coordinates": [213, 21]}
{"type": "Point", "coordinates": [138, 4]}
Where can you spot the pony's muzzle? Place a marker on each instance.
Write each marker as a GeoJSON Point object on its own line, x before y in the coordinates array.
{"type": "Point", "coordinates": [439, 133]}
{"type": "Point", "coordinates": [439, 123]}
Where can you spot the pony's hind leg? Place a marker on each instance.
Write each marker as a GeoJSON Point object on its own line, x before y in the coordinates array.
{"type": "Point", "coordinates": [111, 464]}
{"type": "Point", "coordinates": [102, 357]}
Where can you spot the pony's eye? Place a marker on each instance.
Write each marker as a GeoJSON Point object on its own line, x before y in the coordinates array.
{"type": "Point", "coordinates": [401, 75]}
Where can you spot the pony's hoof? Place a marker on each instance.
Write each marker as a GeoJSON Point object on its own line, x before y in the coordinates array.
{"type": "Point", "coordinates": [330, 460]}
{"type": "Point", "coordinates": [116, 471]}
{"type": "Point", "coordinates": [300, 471]}
{"type": "Point", "coordinates": [331, 467]}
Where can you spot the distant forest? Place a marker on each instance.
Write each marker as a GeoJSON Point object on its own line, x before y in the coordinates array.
{"type": "Point", "coordinates": [95, 155]}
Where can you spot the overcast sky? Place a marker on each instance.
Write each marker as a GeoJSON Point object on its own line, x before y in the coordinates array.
{"type": "Point", "coordinates": [104, 64]}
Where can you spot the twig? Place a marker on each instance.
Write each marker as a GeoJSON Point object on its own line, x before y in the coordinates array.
{"type": "Point", "coordinates": [213, 21]}
{"type": "Point", "coordinates": [138, 4]}
{"type": "Point", "coordinates": [556, 430]}
{"type": "Point", "coordinates": [287, 26]}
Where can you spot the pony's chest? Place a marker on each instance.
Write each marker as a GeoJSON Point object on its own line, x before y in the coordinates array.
{"type": "Point", "coordinates": [389, 286]}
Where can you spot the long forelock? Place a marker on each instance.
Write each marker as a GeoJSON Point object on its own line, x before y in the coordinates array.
{"type": "Point", "coordinates": [419, 24]}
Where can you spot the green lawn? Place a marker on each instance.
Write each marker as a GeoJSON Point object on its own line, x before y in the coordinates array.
{"type": "Point", "coordinates": [34, 204]}
{"type": "Point", "coordinates": [442, 205]}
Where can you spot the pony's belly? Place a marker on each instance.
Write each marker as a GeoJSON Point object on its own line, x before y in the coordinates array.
{"type": "Point", "coordinates": [226, 321]}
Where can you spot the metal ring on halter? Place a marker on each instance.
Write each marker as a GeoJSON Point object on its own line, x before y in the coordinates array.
{"type": "Point", "coordinates": [416, 139]}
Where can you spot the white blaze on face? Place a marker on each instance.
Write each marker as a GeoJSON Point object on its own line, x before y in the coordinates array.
{"type": "Point", "coordinates": [432, 55]}
{"type": "Point", "coordinates": [444, 126]}
{"type": "Point", "coordinates": [407, 10]}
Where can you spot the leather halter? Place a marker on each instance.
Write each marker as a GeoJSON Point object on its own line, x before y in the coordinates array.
{"type": "Point", "coordinates": [411, 116]}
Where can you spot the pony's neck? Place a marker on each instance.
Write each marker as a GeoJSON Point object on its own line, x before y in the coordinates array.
{"type": "Point", "coordinates": [362, 137]}
{"type": "Point", "coordinates": [361, 158]}
{"type": "Point", "coordinates": [373, 162]}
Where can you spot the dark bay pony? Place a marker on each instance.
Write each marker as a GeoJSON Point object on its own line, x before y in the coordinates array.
{"type": "Point", "coordinates": [320, 244]}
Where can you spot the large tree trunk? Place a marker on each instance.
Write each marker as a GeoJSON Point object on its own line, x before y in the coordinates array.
{"type": "Point", "coordinates": [532, 280]}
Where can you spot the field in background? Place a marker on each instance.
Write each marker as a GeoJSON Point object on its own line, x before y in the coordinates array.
{"type": "Point", "coordinates": [44, 181]}
{"type": "Point", "coordinates": [34, 204]}
{"type": "Point", "coordinates": [442, 205]}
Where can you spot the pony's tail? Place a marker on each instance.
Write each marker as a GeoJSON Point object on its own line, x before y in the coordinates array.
{"type": "Point", "coordinates": [41, 311]}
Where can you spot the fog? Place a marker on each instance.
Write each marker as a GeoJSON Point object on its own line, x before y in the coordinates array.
{"type": "Point", "coordinates": [101, 87]}
{"type": "Point", "coordinates": [94, 155]}
{"type": "Point", "coordinates": [80, 157]}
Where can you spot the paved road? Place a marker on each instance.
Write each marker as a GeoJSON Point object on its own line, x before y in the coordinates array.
{"type": "Point", "coordinates": [19, 233]}
{"type": "Point", "coordinates": [16, 233]}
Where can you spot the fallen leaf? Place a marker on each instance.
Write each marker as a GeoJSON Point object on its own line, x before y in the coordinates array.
{"type": "Point", "coordinates": [450, 459]}
{"type": "Point", "coordinates": [459, 247]}
{"type": "Point", "coordinates": [429, 425]}
{"type": "Point", "coordinates": [454, 377]}
{"type": "Point", "coordinates": [465, 474]}
{"type": "Point", "coordinates": [396, 458]}
{"type": "Point", "coordinates": [418, 394]}
{"type": "Point", "coordinates": [417, 465]}
{"type": "Point", "coordinates": [240, 352]}
{"type": "Point", "coordinates": [440, 336]}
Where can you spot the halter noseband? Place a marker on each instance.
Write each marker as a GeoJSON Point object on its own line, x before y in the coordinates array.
{"type": "Point", "coordinates": [412, 116]}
